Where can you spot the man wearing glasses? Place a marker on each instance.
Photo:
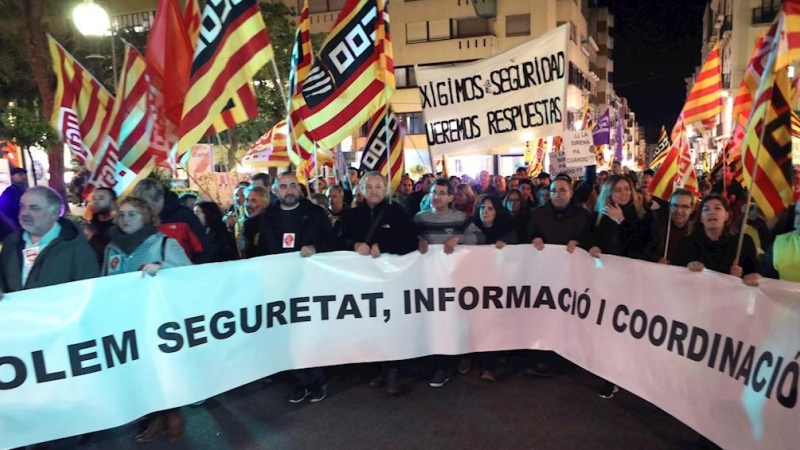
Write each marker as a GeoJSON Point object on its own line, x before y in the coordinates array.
{"type": "Point", "coordinates": [560, 220]}
{"type": "Point", "coordinates": [681, 206]}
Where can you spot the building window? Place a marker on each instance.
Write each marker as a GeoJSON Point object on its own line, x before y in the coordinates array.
{"type": "Point", "coordinates": [573, 32]}
{"type": "Point", "coordinates": [518, 25]}
{"type": "Point", "coordinates": [434, 30]}
{"type": "Point", "coordinates": [320, 6]}
{"type": "Point", "coordinates": [405, 77]}
{"type": "Point", "coordinates": [412, 122]}
{"type": "Point", "coordinates": [767, 11]}
{"type": "Point", "coordinates": [136, 22]}
{"type": "Point", "coordinates": [416, 32]}
{"type": "Point", "coordinates": [461, 28]}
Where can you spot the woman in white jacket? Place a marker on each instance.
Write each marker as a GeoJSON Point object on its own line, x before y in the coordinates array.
{"type": "Point", "coordinates": [137, 245]}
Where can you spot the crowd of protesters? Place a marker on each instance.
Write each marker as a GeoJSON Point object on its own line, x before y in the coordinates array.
{"type": "Point", "coordinates": [603, 213]}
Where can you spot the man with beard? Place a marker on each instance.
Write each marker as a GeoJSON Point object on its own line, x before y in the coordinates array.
{"type": "Point", "coordinates": [101, 203]}
{"type": "Point", "coordinates": [45, 251]}
{"type": "Point", "coordinates": [9, 201]}
{"type": "Point", "coordinates": [295, 224]}
{"type": "Point", "coordinates": [257, 200]}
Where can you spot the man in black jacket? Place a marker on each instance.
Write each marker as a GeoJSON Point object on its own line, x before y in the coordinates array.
{"type": "Point", "coordinates": [560, 221]}
{"type": "Point", "coordinates": [50, 250]}
{"type": "Point", "coordinates": [295, 224]}
{"type": "Point", "coordinates": [376, 226]}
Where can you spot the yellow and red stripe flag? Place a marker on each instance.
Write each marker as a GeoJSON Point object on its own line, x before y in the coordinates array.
{"type": "Point", "coordinates": [351, 80]}
{"type": "Point", "coordinates": [191, 21]}
{"type": "Point", "coordinates": [768, 162]}
{"type": "Point", "coordinates": [789, 43]}
{"type": "Point", "coordinates": [127, 153]}
{"type": "Point", "coordinates": [705, 98]}
{"type": "Point", "coordinates": [661, 149]}
{"type": "Point", "coordinates": [82, 106]}
{"type": "Point", "coordinates": [676, 171]}
{"type": "Point", "coordinates": [226, 59]}
{"type": "Point", "coordinates": [270, 148]}
{"type": "Point", "coordinates": [537, 163]}
{"type": "Point", "coordinates": [383, 151]}
{"type": "Point", "coordinates": [302, 60]}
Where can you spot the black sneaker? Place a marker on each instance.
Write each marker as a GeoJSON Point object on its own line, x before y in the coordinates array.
{"type": "Point", "coordinates": [440, 378]}
{"type": "Point", "coordinates": [464, 365]}
{"type": "Point", "coordinates": [318, 394]}
{"type": "Point", "coordinates": [299, 394]}
{"type": "Point", "coordinates": [608, 391]}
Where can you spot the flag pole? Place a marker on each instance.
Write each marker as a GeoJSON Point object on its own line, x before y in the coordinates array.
{"type": "Point", "coordinates": [749, 191]}
{"type": "Point", "coordinates": [292, 136]}
{"type": "Point", "coordinates": [387, 141]}
{"type": "Point", "coordinates": [666, 242]}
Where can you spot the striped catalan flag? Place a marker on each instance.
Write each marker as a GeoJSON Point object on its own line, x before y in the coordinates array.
{"type": "Point", "coordinates": [126, 154]}
{"type": "Point", "coordinates": [269, 148]}
{"type": "Point", "coordinates": [352, 79]}
{"type": "Point", "coordinates": [789, 44]}
{"type": "Point", "coordinates": [705, 98]}
{"type": "Point", "coordinates": [224, 65]}
{"type": "Point", "coordinates": [768, 162]}
{"type": "Point", "coordinates": [537, 164]}
{"type": "Point", "coordinates": [300, 65]}
{"type": "Point", "coordinates": [676, 171]}
{"type": "Point", "coordinates": [661, 149]}
{"type": "Point", "coordinates": [385, 143]}
{"type": "Point", "coordinates": [191, 20]}
{"type": "Point", "coordinates": [83, 106]}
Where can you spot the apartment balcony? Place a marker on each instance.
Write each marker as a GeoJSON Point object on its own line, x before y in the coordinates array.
{"type": "Point", "coordinates": [764, 15]}
{"type": "Point", "coordinates": [486, 9]}
{"type": "Point", "coordinates": [458, 49]}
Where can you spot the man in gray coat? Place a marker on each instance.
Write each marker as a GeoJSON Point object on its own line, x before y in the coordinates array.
{"type": "Point", "coordinates": [49, 250]}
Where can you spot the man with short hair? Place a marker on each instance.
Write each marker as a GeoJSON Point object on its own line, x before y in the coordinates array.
{"type": "Point", "coordinates": [484, 184]}
{"type": "Point", "coordinates": [177, 221]}
{"type": "Point", "coordinates": [49, 250]}
{"type": "Point", "coordinates": [444, 225]}
{"type": "Point", "coordinates": [102, 202]}
{"type": "Point", "coordinates": [616, 168]}
{"type": "Point", "coordinates": [404, 192]}
{"type": "Point", "coordinates": [336, 202]}
{"type": "Point", "coordinates": [261, 179]}
{"type": "Point", "coordinates": [188, 199]}
{"type": "Point", "coordinates": [296, 225]}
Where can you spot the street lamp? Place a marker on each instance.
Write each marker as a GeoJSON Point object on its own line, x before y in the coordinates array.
{"type": "Point", "coordinates": [92, 20]}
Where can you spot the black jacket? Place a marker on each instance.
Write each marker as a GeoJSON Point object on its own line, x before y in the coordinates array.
{"type": "Point", "coordinates": [556, 226]}
{"type": "Point", "coordinates": [67, 258]}
{"type": "Point", "coordinates": [629, 239]}
{"type": "Point", "coordinates": [314, 229]}
{"type": "Point", "coordinates": [174, 212]}
{"type": "Point", "coordinates": [394, 233]}
{"type": "Point", "coordinates": [716, 255]}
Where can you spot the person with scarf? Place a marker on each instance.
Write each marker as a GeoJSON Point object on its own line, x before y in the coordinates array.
{"type": "Point", "coordinates": [137, 245]}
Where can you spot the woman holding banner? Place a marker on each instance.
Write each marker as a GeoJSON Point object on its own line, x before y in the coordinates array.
{"type": "Point", "coordinates": [713, 246]}
{"type": "Point", "coordinates": [137, 245]}
{"type": "Point", "coordinates": [618, 226]}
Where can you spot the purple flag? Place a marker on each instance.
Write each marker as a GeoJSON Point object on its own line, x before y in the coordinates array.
{"type": "Point", "coordinates": [618, 150]}
{"type": "Point", "coordinates": [602, 131]}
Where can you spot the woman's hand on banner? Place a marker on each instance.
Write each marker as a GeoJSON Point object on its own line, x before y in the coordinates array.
{"type": "Point", "coordinates": [595, 252]}
{"type": "Point", "coordinates": [500, 244]}
{"type": "Point", "coordinates": [696, 266]}
{"type": "Point", "coordinates": [751, 279]}
{"type": "Point", "coordinates": [423, 245]}
{"type": "Point", "coordinates": [538, 244]}
{"type": "Point", "coordinates": [571, 245]}
{"type": "Point", "coordinates": [450, 245]}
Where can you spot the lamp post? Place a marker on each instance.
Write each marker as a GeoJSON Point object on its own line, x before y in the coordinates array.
{"type": "Point", "coordinates": [92, 20]}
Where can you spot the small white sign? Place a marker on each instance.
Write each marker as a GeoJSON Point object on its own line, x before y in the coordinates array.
{"type": "Point", "coordinates": [579, 149]}
{"type": "Point", "coordinates": [558, 165]}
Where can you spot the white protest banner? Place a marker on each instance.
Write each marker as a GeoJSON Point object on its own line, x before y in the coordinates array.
{"type": "Point", "coordinates": [795, 151]}
{"type": "Point", "coordinates": [714, 353]}
{"type": "Point", "coordinates": [558, 165]}
{"type": "Point", "coordinates": [579, 149]}
{"type": "Point", "coordinates": [514, 96]}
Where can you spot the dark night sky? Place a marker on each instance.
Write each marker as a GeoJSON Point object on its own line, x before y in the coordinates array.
{"type": "Point", "coordinates": [656, 46]}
